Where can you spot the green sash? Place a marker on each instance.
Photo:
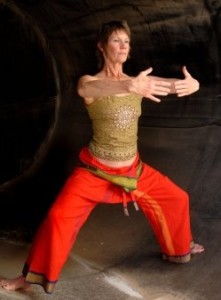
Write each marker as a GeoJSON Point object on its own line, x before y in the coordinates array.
{"type": "Point", "coordinates": [128, 183]}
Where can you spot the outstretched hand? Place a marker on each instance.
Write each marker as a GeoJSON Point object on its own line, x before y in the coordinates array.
{"type": "Point", "coordinates": [186, 86]}
{"type": "Point", "coordinates": [148, 86]}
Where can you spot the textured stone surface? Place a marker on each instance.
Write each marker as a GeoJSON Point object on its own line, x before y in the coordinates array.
{"type": "Point", "coordinates": [179, 137]}
{"type": "Point", "coordinates": [52, 43]}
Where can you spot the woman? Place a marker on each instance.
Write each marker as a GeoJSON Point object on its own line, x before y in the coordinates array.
{"type": "Point", "coordinates": [110, 169]}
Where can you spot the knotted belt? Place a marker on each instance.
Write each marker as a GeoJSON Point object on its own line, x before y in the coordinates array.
{"type": "Point", "coordinates": [128, 183]}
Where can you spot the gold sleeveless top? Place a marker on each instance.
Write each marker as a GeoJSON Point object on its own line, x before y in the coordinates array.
{"type": "Point", "coordinates": [115, 125]}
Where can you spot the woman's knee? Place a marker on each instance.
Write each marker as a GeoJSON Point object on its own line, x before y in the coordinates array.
{"type": "Point", "coordinates": [185, 196]}
{"type": "Point", "coordinates": [55, 212]}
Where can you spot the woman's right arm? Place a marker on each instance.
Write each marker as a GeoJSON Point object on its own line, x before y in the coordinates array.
{"type": "Point", "coordinates": [93, 87]}
{"type": "Point", "coordinates": [90, 87]}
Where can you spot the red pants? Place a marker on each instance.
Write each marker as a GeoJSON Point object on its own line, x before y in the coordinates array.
{"type": "Point", "coordinates": [164, 204]}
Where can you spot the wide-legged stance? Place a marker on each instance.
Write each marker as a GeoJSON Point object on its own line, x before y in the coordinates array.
{"type": "Point", "coordinates": [165, 205]}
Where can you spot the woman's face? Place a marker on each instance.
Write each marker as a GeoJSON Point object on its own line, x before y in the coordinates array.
{"type": "Point", "coordinates": [117, 48]}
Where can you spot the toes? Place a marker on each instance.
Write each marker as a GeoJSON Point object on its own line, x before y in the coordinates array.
{"type": "Point", "coordinates": [197, 249]}
{"type": "Point", "coordinates": [3, 284]}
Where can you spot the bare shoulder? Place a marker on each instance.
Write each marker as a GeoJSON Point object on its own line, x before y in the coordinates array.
{"type": "Point", "coordinates": [85, 78]}
{"type": "Point", "coordinates": [88, 77]}
{"type": "Point", "coordinates": [83, 88]}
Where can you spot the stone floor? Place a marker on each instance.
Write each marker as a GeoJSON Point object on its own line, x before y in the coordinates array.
{"type": "Point", "coordinates": [116, 257]}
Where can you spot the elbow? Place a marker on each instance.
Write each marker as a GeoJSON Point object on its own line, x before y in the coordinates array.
{"type": "Point", "coordinates": [197, 85]}
{"type": "Point", "coordinates": [80, 92]}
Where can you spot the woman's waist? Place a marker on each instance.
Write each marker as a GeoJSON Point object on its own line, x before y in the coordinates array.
{"type": "Point", "coordinates": [127, 167]}
{"type": "Point", "coordinates": [116, 164]}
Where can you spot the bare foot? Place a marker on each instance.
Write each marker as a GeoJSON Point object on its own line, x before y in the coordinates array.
{"type": "Point", "coordinates": [14, 284]}
{"type": "Point", "coordinates": [196, 248]}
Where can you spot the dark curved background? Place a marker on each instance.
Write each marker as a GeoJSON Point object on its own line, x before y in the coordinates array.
{"type": "Point", "coordinates": [46, 45]}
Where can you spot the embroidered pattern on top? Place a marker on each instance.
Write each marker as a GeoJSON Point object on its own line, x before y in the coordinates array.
{"type": "Point", "coordinates": [124, 116]}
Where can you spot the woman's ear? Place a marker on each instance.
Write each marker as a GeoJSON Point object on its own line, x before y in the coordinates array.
{"type": "Point", "coordinates": [100, 47]}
